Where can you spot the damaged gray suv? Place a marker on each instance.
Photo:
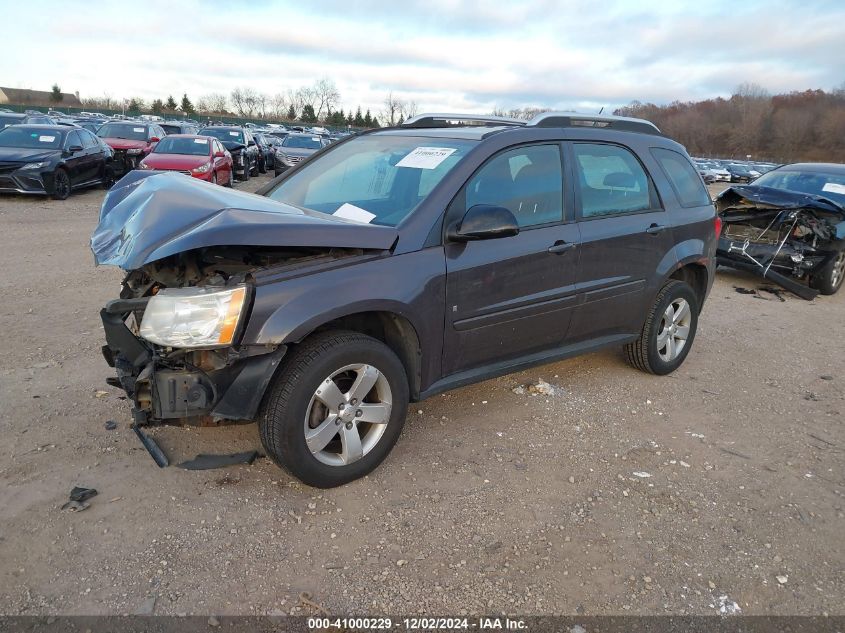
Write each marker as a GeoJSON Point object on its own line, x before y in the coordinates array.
{"type": "Point", "coordinates": [398, 264]}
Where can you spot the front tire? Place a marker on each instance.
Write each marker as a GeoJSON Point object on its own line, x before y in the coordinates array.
{"type": "Point", "coordinates": [829, 279]}
{"type": "Point", "coordinates": [61, 185]}
{"type": "Point", "coordinates": [262, 166]}
{"type": "Point", "coordinates": [335, 409]}
{"type": "Point", "coordinates": [245, 176]}
{"type": "Point", "coordinates": [668, 332]}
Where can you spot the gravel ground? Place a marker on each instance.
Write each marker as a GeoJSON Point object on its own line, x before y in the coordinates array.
{"type": "Point", "coordinates": [718, 488]}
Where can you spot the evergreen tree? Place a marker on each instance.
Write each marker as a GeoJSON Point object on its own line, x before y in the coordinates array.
{"type": "Point", "coordinates": [56, 94]}
{"type": "Point", "coordinates": [350, 119]}
{"type": "Point", "coordinates": [368, 119]}
{"type": "Point", "coordinates": [187, 107]}
{"type": "Point", "coordinates": [375, 122]}
{"type": "Point", "coordinates": [157, 106]}
{"type": "Point", "coordinates": [171, 103]}
{"type": "Point", "coordinates": [359, 118]}
{"type": "Point", "coordinates": [291, 113]}
{"type": "Point", "coordinates": [308, 114]}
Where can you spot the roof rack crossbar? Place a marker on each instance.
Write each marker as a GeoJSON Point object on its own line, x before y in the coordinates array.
{"type": "Point", "coordinates": [434, 120]}
{"type": "Point", "coordinates": [574, 119]}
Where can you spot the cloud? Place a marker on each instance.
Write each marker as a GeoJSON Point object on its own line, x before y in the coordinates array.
{"type": "Point", "coordinates": [444, 54]}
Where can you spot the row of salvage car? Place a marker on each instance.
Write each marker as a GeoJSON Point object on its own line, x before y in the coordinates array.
{"type": "Point", "coordinates": [43, 156]}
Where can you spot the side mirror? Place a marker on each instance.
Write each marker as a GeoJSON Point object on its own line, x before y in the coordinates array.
{"type": "Point", "coordinates": [252, 143]}
{"type": "Point", "coordinates": [219, 154]}
{"type": "Point", "coordinates": [484, 222]}
{"type": "Point", "coordinates": [155, 139]}
{"type": "Point", "coordinates": [74, 148]}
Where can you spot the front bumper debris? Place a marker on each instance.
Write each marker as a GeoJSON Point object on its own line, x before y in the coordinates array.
{"type": "Point", "coordinates": [200, 387]}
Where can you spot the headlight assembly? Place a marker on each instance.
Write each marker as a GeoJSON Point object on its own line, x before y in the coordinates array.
{"type": "Point", "coordinates": [202, 168]}
{"type": "Point", "coordinates": [133, 152]}
{"type": "Point", "coordinates": [194, 317]}
{"type": "Point", "coordinates": [34, 165]}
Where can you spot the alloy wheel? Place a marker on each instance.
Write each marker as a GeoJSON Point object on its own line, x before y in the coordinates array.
{"type": "Point", "coordinates": [674, 330]}
{"type": "Point", "coordinates": [348, 414]}
{"type": "Point", "coordinates": [838, 270]}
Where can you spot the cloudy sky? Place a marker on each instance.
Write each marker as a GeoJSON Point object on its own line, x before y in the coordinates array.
{"type": "Point", "coordinates": [450, 55]}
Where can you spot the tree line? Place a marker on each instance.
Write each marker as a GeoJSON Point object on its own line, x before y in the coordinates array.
{"type": "Point", "coordinates": [315, 103]}
{"type": "Point", "coordinates": [798, 126]}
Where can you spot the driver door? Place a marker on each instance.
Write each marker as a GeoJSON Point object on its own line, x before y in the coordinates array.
{"type": "Point", "coordinates": [509, 297]}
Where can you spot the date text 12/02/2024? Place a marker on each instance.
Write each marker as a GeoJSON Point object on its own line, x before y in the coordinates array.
{"type": "Point", "coordinates": [419, 623]}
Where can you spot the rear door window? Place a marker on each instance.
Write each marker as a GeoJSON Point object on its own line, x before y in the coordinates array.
{"type": "Point", "coordinates": [611, 180]}
{"type": "Point", "coordinates": [684, 179]}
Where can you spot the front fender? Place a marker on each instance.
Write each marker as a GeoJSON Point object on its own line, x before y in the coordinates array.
{"type": "Point", "coordinates": [411, 285]}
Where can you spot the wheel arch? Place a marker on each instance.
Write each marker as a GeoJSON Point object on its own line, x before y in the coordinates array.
{"type": "Point", "coordinates": [393, 329]}
{"type": "Point", "coordinates": [695, 274]}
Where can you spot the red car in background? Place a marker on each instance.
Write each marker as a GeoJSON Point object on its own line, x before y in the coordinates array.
{"type": "Point", "coordinates": [131, 141]}
{"type": "Point", "coordinates": [202, 157]}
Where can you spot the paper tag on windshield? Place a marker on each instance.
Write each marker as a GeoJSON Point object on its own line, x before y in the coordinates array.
{"type": "Point", "coordinates": [200, 141]}
{"type": "Point", "coordinates": [46, 139]}
{"type": "Point", "coordinates": [233, 133]}
{"type": "Point", "coordinates": [834, 187]}
{"type": "Point", "coordinates": [351, 212]}
{"type": "Point", "coordinates": [426, 157]}
{"type": "Point", "coordinates": [137, 129]}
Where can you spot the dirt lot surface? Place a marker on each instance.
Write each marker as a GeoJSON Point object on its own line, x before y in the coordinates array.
{"type": "Point", "coordinates": [719, 487]}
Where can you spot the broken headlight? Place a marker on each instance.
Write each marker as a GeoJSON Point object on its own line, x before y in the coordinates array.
{"type": "Point", "coordinates": [193, 317]}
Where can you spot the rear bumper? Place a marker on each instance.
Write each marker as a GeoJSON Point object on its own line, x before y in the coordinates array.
{"type": "Point", "coordinates": [170, 388]}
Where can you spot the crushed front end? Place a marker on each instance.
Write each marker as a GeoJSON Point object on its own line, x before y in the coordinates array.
{"type": "Point", "coordinates": [786, 237]}
{"type": "Point", "coordinates": [176, 351]}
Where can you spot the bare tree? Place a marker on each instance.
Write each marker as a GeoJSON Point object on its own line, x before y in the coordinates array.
{"type": "Point", "coordinates": [409, 109]}
{"type": "Point", "coordinates": [212, 103]}
{"type": "Point", "coordinates": [326, 96]}
{"type": "Point", "coordinates": [279, 105]}
{"type": "Point", "coordinates": [393, 109]}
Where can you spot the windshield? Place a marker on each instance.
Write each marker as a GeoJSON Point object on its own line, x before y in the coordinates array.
{"type": "Point", "coordinates": [302, 142]}
{"type": "Point", "coordinates": [230, 136]}
{"type": "Point", "coordinates": [35, 138]}
{"type": "Point", "coordinates": [830, 186]}
{"type": "Point", "coordinates": [129, 131]}
{"type": "Point", "coordinates": [375, 179]}
{"type": "Point", "coordinates": [182, 145]}
{"type": "Point", "coordinates": [6, 120]}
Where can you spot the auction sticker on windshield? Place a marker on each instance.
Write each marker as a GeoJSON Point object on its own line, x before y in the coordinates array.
{"type": "Point", "coordinates": [233, 133]}
{"type": "Point", "coordinates": [834, 187]}
{"type": "Point", "coordinates": [426, 157]}
{"type": "Point", "coordinates": [137, 129]}
{"type": "Point", "coordinates": [46, 139]}
{"type": "Point", "coordinates": [351, 212]}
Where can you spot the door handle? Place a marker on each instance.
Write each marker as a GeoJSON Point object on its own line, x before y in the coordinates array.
{"type": "Point", "coordinates": [654, 229]}
{"type": "Point", "coordinates": [561, 247]}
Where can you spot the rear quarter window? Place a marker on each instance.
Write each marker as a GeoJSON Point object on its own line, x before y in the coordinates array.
{"type": "Point", "coordinates": [684, 179]}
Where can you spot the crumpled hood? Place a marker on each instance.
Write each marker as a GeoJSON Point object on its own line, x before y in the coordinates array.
{"type": "Point", "coordinates": [148, 216]}
{"type": "Point", "coordinates": [125, 143]}
{"type": "Point", "coordinates": [760, 197]}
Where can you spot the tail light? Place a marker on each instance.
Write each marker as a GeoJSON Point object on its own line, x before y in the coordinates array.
{"type": "Point", "coordinates": [717, 225]}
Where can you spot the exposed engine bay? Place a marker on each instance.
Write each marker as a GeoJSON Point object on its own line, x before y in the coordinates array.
{"type": "Point", "coordinates": [781, 235]}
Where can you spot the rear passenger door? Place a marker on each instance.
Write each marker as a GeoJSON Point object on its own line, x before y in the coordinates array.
{"type": "Point", "coordinates": [512, 296]}
{"type": "Point", "coordinates": [625, 235]}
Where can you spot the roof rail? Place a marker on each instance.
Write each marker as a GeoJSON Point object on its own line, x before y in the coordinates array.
{"type": "Point", "coordinates": [574, 119]}
{"type": "Point", "coordinates": [430, 120]}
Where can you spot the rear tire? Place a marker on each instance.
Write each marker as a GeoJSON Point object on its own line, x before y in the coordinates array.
{"type": "Point", "coordinates": [828, 280]}
{"type": "Point", "coordinates": [108, 178]}
{"type": "Point", "coordinates": [667, 334]}
{"type": "Point", "coordinates": [370, 382]}
{"type": "Point", "coordinates": [262, 166]}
